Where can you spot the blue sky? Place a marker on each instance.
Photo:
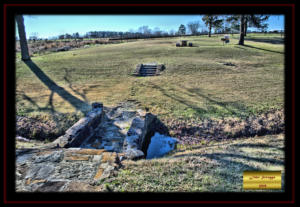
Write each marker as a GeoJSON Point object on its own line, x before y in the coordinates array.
{"type": "Point", "coordinates": [46, 26]}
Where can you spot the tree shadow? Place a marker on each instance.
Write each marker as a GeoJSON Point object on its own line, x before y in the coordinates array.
{"type": "Point", "coordinates": [179, 99]}
{"type": "Point", "coordinates": [263, 49]}
{"type": "Point", "coordinates": [221, 158]}
{"type": "Point", "coordinates": [74, 101]}
{"type": "Point", "coordinates": [275, 40]}
{"type": "Point", "coordinates": [49, 107]}
{"type": "Point", "coordinates": [234, 108]}
{"type": "Point", "coordinates": [66, 78]}
{"type": "Point", "coordinates": [258, 146]}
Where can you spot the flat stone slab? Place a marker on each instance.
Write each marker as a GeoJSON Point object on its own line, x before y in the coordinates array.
{"type": "Point", "coordinates": [61, 169]}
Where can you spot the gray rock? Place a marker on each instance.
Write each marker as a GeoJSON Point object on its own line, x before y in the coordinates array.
{"type": "Point", "coordinates": [56, 156]}
{"type": "Point", "coordinates": [51, 186]}
{"type": "Point", "coordinates": [136, 127]}
{"type": "Point", "coordinates": [134, 154]}
{"type": "Point", "coordinates": [81, 130]}
{"type": "Point", "coordinates": [40, 171]}
{"type": "Point", "coordinates": [152, 125]}
{"type": "Point", "coordinates": [66, 48]}
{"type": "Point", "coordinates": [22, 139]}
{"type": "Point", "coordinates": [131, 142]}
{"type": "Point", "coordinates": [23, 158]}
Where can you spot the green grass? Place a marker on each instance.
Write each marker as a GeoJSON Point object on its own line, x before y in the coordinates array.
{"type": "Point", "coordinates": [212, 167]}
{"type": "Point", "coordinates": [196, 83]}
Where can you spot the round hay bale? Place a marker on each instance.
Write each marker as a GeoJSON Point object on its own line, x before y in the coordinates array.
{"type": "Point", "coordinates": [190, 44]}
{"type": "Point", "coordinates": [177, 44]}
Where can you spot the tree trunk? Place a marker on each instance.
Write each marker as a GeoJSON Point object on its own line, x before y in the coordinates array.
{"type": "Point", "coordinates": [22, 37]}
{"type": "Point", "coordinates": [209, 30]}
{"type": "Point", "coordinates": [246, 26]}
{"type": "Point", "coordinates": [242, 30]}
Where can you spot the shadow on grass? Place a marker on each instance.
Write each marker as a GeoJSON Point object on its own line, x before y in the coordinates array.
{"type": "Point", "coordinates": [258, 146]}
{"type": "Point", "coordinates": [258, 48]}
{"type": "Point", "coordinates": [74, 101]}
{"type": "Point", "coordinates": [179, 99]}
{"type": "Point", "coordinates": [221, 158]}
{"type": "Point", "coordinates": [234, 108]}
{"type": "Point", "coordinates": [275, 40]}
{"type": "Point", "coordinates": [66, 78]}
{"type": "Point", "coordinates": [49, 107]}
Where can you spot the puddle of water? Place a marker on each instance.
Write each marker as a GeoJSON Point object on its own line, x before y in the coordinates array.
{"type": "Point", "coordinates": [160, 145]}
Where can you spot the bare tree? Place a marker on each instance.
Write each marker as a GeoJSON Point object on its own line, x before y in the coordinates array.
{"type": "Point", "coordinates": [22, 37]}
{"type": "Point", "coordinates": [172, 32]}
{"type": "Point", "coordinates": [193, 27]}
{"type": "Point", "coordinates": [157, 31]}
{"type": "Point", "coordinates": [145, 30]}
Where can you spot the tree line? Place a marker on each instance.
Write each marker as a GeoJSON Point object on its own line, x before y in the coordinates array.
{"type": "Point", "coordinates": [220, 25]}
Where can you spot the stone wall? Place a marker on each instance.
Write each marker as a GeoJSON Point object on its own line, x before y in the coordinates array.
{"type": "Point", "coordinates": [136, 142]}
{"type": "Point", "coordinates": [139, 135]}
{"type": "Point", "coordinates": [83, 129]}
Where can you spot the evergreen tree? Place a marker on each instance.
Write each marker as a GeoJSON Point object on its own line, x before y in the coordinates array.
{"type": "Point", "coordinates": [181, 30]}
{"type": "Point", "coordinates": [212, 21]}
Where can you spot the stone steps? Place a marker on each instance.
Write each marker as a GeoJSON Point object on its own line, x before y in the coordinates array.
{"type": "Point", "coordinates": [146, 70]}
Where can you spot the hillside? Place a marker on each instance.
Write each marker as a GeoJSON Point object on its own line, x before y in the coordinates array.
{"type": "Point", "coordinates": [224, 103]}
{"type": "Point", "coordinates": [208, 80]}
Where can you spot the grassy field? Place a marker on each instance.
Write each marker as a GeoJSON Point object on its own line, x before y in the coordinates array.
{"type": "Point", "coordinates": [208, 80]}
{"type": "Point", "coordinates": [210, 167]}
{"type": "Point", "coordinates": [196, 83]}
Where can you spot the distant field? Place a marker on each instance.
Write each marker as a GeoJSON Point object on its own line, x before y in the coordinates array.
{"type": "Point", "coordinates": [196, 83]}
